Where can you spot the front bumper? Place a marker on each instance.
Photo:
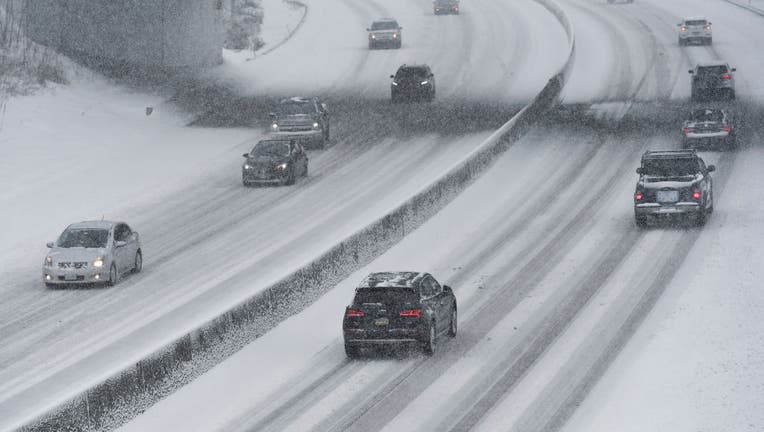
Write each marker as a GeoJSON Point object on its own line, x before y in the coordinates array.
{"type": "Point", "coordinates": [657, 209]}
{"type": "Point", "coordinates": [255, 176]}
{"type": "Point", "coordinates": [57, 276]}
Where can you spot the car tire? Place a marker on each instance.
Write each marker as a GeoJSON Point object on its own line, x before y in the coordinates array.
{"type": "Point", "coordinates": [701, 217]}
{"type": "Point", "coordinates": [641, 221]}
{"type": "Point", "coordinates": [352, 352]}
{"type": "Point", "coordinates": [291, 179]}
{"type": "Point", "coordinates": [709, 41]}
{"type": "Point", "coordinates": [112, 276]}
{"type": "Point", "coordinates": [429, 344]}
{"type": "Point", "coordinates": [371, 46]}
{"type": "Point", "coordinates": [681, 42]}
{"type": "Point", "coordinates": [398, 44]}
{"type": "Point", "coordinates": [452, 328]}
{"type": "Point", "coordinates": [138, 262]}
{"type": "Point", "coordinates": [731, 94]}
{"type": "Point", "coordinates": [50, 285]}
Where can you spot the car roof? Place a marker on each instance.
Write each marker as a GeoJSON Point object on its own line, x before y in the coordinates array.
{"type": "Point", "coordinates": [101, 224]}
{"type": "Point", "coordinates": [713, 63]}
{"type": "Point", "coordinates": [414, 66]}
{"type": "Point", "coordinates": [283, 140]}
{"type": "Point", "coordinates": [670, 154]}
{"type": "Point", "coordinates": [401, 279]}
{"type": "Point", "coordinates": [695, 18]}
{"type": "Point", "coordinates": [384, 19]}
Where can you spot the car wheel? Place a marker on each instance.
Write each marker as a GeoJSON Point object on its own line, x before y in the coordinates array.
{"type": "Point", "coordinates": [371, 46]}
{"type": "Point", "coordinates": [681, 42]}
{"type": "Point", "coordinates": [700, 217]}
{"type": "Point", "coordinates": [352, 352]}
{"type": "Point", "coordinates": [429, 344]}
{"type": "Point", "coordinates": [138, 262]}
{"type": "Point", "coordinates": [290, 180]}
{"type": "Point", "coordinates": [731, 94]}
{"type": "Point", "coordinates": [711, 206]}
{"type": "Point", "coordinates": [305, 171]}
{"type": "Point", "coordinates": [641, 221]}
{"type": "Point", "coordinates": [452, 328]}
{"type": "Point", "coordinates": [112, 276]}
{"type": "Point", "coordinates": [50, 285]}
{"type": "Point", "coordinates": [398, 44]}
{"type": "Point", "coordinates": [708, 41]}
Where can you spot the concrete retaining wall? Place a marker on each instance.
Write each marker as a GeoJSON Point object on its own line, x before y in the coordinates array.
{"type": "Point", "coordinates": [138, 386]}
{"type": "Point", "coordinates": [137, 33]}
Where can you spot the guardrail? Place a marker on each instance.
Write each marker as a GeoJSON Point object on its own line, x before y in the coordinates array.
{"type": "Point", "coordinates": [137, 387]}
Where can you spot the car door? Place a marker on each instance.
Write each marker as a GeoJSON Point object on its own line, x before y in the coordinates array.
{"type": "Point", "coordinates": [429, 303]}
{"type": "Point", "coordinates": [131, 247]}
{"type": "Point", "coordinates": [442, 303]}
{"type": "Point", "coordinates": [118, 252]}
{"type": "Point", "coordinates": [302, 159]}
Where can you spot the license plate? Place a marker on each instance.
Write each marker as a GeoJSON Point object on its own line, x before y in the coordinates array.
{"type": "Point", "coordinates": [70, 277]}
{"type": "Point", "coordinates": [667, 196]}
{"type": "Point", "coordinates": [381, 322]}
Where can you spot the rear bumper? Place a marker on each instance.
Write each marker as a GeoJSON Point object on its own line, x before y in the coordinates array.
{"type": "Point", "coordinates": [361, 337]}
{"type": "Point", "coordinates": [646, 209]}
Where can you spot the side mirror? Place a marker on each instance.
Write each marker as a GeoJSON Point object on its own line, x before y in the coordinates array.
{"type": "Point", "coordinates": [690, 71]}
{"type": "Point", "coordinates": [400, 28]}
{"type": "Point", "coordinates": [246, 155]}
{"type": "Point", "coordinates": [711, 168]}
{"type": "Point", "coordinates": [734, 69]}
{"type": "Point", "coordinates": [120, 243]}
{"type": "Point", "coordinates": [447, 289]}
{"type": "Point", "coordinates": [368, 29]}
{"type": "Point", "coordinates": [392, 76]}
{"type": "Point", "coordinates": [49, 244]}
{"type": "Point", "coordinates": [640, 170]}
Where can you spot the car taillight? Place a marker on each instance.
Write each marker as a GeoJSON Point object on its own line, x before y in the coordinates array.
{"type": "Point", "coordinates": [727, 76]}
{"type": "Point", "coordinates": [354, 313]}
{"type": "Point", "coordinates": [696, 194]}
{"type": "Point", "coordinates": [728, 128]}
{"type": "Point", "coordinates": [638, 196]}
{"type": "Point", "coordinates": [686, 130]}
{"type": "Point", "coordinates": [416, 313]}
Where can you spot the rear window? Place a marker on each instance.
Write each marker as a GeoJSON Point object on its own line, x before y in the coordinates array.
{"type": "Point", "coordinates": [385, 296]}
{"type": "Point", "coordinates": [695, 22]}
{"type": "Point", "coordinates": [707, 115]}
{"type": "Point", "coordinates": [712, 70]}
{"type": "Point", "coordinates": [670, 167]}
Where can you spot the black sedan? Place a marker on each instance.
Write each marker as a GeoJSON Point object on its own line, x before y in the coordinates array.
{"type": "Point", "coordinates": [274, 161]}
{"type": "Point", "coordinates": [398, 308]}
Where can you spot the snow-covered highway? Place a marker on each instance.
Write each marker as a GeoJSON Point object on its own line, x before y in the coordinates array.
{"type": "Point", "coordinates": [553, 280]}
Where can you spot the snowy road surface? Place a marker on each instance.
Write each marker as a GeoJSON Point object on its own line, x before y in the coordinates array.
{"type": "Point", "coordinates": [551, 275]}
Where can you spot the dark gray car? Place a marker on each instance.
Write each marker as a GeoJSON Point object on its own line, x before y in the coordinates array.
{"type": "Point", "coordinates": [673, 183]}
{"type": "Point", "coordinates": [385, 32]}
{"type": "Point", "coordinates": [412, 82]}
{"type": "Point", "coordinates": [713, 80]}
{"type": "Point", "coordinates": [274, 161]}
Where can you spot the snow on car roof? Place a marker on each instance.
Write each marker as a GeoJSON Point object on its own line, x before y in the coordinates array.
{"type": "Point", "coordinates": [93, 224]}
{"type": "Point", "coordinates": [404, 279]}
{"type": "Point", "coordinates": [695, 18]}
{"type": "Point", "coordinates": [296, 99]}
{"type": "Point", "coordinates": [713, 63]}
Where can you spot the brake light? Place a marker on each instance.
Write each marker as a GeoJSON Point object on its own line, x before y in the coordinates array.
{"type": "Point", "coordinates": [350, 313]}
{"type": "Point", "coordinates": [696, 194]}
{"type": "Point", "coordinates": [686, 130]}
{"type": "Point", "coordinates": [638, 196]}
{"type": "Point", "coordinates": [728, 128]}
{"type": "Point", "coordinates": [415, 313]}
{"type": "Point", "coordinates": [726, 76]}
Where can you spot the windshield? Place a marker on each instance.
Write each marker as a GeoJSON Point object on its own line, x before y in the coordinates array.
{"type": "Point", "coordinates": [707, 116]}
{"type": "Point", "coordinates": [670, 167]}
{"type": "Point", "coordinates": [295, 108]}
{"type": "Point", "coordinates": [384, 25]}
{"type": "Point", "coordinates": [271, 148]}
{"type": "Point", "coordinates": [695, 23]}
{"type": "Point", "coordinates": [83, 237]}
{"type": "Point", "coordinates": [385, 296]}
{"type": "Point", "coordinates": [411, 73]}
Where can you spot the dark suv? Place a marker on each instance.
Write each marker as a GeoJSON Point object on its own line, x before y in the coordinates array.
{"type": "Point", "coordinates": [712, 80]}
{"type": "Point", "coordinates": [673, 183]}
{"type": "Point", "coordinates": [394, 308]}
{"type": "Point", "coordinates": [274, 161]}
{"type": "Point", "coordinates": [305, 119]}
{"type": "Point", "coordinates": [413, 82]}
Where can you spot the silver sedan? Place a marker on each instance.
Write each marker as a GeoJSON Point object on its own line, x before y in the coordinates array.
{"type": "Point", "coordinates": [95, 252]}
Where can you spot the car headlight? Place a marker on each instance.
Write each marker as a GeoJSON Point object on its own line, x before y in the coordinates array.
{"type": "Point", "coordinates": [395, 35]}
{"type": "Point", "coordinates": [248, 166]}
{"type": "Point", "coordinates": [281, 166]}
{"type": "Point", "coordinates": [274, 126]}
{"type": "Point", "coordinates": [424, 82]}
{"type": "Point", "coordinates": [98, 263]}
{"type": "Point", "coordinates": [48, 261]}
{"type": "Point", "coordinates": [395, 83]}
{"type": "Point", "coordinates": [371, 36]}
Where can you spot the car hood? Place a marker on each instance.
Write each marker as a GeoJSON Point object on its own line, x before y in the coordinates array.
{"type": "Point", "coordinates": [266, 160]}
{"type": "Point", "coordinates": [295, 119]}
{"type": "Point", "coordinates": [384, 32]}
{"type": "Point", "coordinates": [673, 182]}
{"type": "Point", "coordinates": [75, 254]}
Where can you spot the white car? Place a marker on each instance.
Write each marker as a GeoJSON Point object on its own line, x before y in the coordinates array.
{"type": "Point", "coordinates": [695, 30]}
{"type": "Point", "coordinates": [94, 252]}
